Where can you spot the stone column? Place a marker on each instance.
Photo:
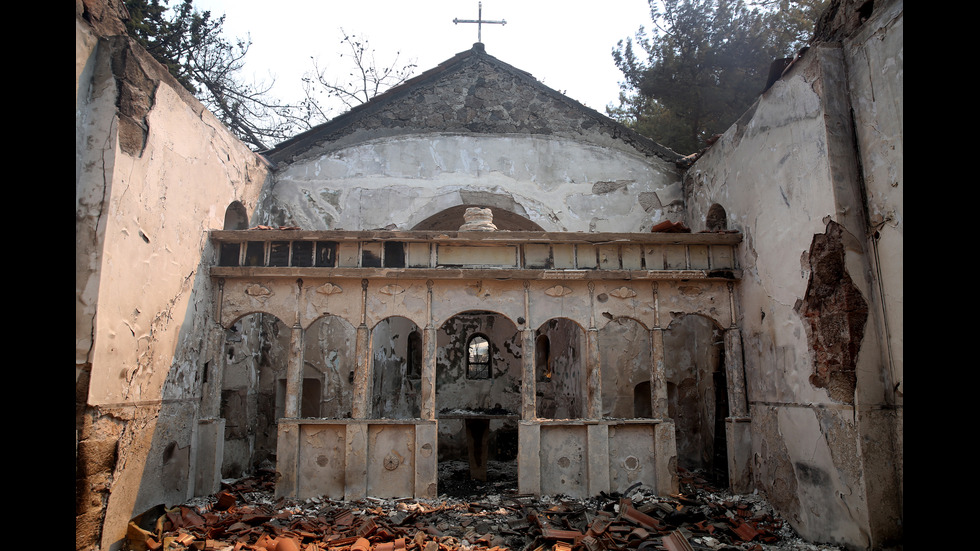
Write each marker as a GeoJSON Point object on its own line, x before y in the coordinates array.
{"type": "Point", "coordinates": [428, 389]}
{"type": "Point", "coordinates": [593, 373]}
{"type": "Point", "coordinates": [738, 434]}
{"type": "Point", "coordinates": [529, 410]}
{"type": "Point", "coordinates": [528, 399]}
{"type": "Point", "coordinates": [658, 386]}
{"type": "Point", "coordinates": [361, 401]}
{"type": "Point", "coordinates": [211, 399]}
{"type": "Point", "coordinates": [294, 373]}
{"type": "Point", "coordinates": [208, 452]}
{"type": "Point", "coordinates": [737, 400]}
{"type": "Point", "coordinates": [665, 444]}
{"type": "Point", "coordinates": [211, 392]}
{"type": "Point", "coordinates": [658, 377]}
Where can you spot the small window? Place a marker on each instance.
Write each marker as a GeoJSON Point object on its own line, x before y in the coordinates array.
{"type": "Point", "coordinates": [478, 358]}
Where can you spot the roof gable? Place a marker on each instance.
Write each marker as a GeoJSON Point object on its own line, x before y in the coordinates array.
{"type": "Point", "coordinates": [472, 92]}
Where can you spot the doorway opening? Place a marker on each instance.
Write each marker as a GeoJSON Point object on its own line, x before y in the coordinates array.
{"type": "Point", "coordinates": [478, 382]}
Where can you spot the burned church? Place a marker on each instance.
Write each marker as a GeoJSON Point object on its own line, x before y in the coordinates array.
{"type": "Point", "coordinates": [474, 267]}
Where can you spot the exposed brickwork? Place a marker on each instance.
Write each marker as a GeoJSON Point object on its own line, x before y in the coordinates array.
{"type": "Point", "coordinates": [836, 315]}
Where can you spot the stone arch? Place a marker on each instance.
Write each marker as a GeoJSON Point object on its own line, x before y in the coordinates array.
{"type": "Point", "coordinates": [453, 388]}
{"type": "Point", "coordinates": [256, 353]}
{"type": "Point", "coordinates": [236, 217]}
{"type": "Point", "coordinates": [328, 357]}
{"type": "Point", "coordinates": [562, 394]}
{"type": "Point", "coordinates": [394, 395]}
{"type": "Point", "coordinates": [451, 219]}
{"type": "Point", "coordinates": [697, 392]}
{"type": "Point", "coordinates": [716, 219]}
{"type": "Point", "coordinates": [626, 358]}
{"type": "Point", "coordinates": [478, 416]}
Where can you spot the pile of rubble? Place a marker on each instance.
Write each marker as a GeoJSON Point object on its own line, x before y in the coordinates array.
{"type": "Point", "coordinates": [245, 516]}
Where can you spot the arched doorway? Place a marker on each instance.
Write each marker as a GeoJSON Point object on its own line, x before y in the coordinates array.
{"type": "Point", "coordinates": [328, 368]}
{"type": "Point", "coordinates": [697, 393]}
{"type": "Point", "coordinates": [560, 381]}
{"type": "Point", "coordinates": [625, 356]}
{"type": "Point", "coordinates": [253, 391]}
{"type": "Point", "coordinates": [396, 381]}
{"type": "Point", "coordinates": [478, 400]}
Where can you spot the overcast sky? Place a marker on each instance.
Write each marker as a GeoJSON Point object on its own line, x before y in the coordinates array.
{"type": "Point", "coordinates": [566, 45]}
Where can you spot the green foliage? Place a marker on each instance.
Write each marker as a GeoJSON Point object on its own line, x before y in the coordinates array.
{"type": "Point", "coordinates": [192, 47]}
{"type": "Point", "coordinates": [704, 63]}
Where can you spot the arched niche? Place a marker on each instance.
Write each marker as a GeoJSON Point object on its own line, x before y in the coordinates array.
{"type": "Point", "coordinates": [625, 356]}
{"type": "Point", "coordinates": [236, 217]}
{"type": "Point", "coordinates": [716, 218]}
{"type": "Point", "coordinates": [560, 385]}
{"type": "Point", "coordinates": [697, 392]}
{"type": "Point", "coordinates": [328, 357]}
{"type": "Point", "coordinates": [451, 219]}
{"type": "Point", "coordinates": [394, 394]}
{"type": "Point", "coordinates": [256, 353]}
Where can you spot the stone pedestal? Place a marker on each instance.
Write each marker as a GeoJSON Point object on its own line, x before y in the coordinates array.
{"type": "Point", "coordinates": [477, 219]}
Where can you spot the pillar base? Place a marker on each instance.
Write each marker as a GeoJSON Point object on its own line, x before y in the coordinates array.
{"type": "Point", "coordinates": [738, 435]}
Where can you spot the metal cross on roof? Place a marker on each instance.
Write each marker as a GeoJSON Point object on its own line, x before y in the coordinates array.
{"type": "Point", "coordinates": [479, 23]}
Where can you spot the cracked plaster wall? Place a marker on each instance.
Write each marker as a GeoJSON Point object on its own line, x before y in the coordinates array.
{"type": "Point", "coordinates": [875, 60]}
{"type": "Point", "coordinates": [154, 172]}
{"type": "Point", "coordinates": [396, 182]}
{"type": "Point", "coordinates": [788, 171]}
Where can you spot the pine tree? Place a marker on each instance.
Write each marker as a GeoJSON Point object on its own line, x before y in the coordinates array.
{"type": "Point", "coordinates": [704, 64]}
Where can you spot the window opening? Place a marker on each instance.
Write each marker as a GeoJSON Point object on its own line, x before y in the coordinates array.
{"type": "Point", "coordinates": [255, 253]}
{"type": "Point", "coordinates": [302, 254]}
{"type": "Point", "coordinates": [414, 370]}
{"type": "Point", "coordinates": [326, 254]}
{"type": "Point", "coordinates": [230, 253]}
{"type": "Point", "coordinates": [394, 254]}
{"type": "Point", "coordinates": [478, 358]}
{"type": "Point", "coordinates": [279, 253]}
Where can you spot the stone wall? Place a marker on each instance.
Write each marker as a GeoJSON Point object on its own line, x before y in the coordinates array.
{"type": "Point", "coordinates": [474, 131]}
{"type": "Point", "coordinates": [154, 172]}
{"type": "Point", "coordinates": [813, 172]}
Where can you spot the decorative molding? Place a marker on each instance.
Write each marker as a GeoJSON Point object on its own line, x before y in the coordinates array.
{"type": "Point", "coordinates": [558, 291]}
{"type": "Point", "coordinates": [258, 291]}
{"type": "Point", "coordinates": [329, 289]}
{"type": "Point", "coordinates": [391, 289]}
{"type": "Point", "coordinates": [623, 292]}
